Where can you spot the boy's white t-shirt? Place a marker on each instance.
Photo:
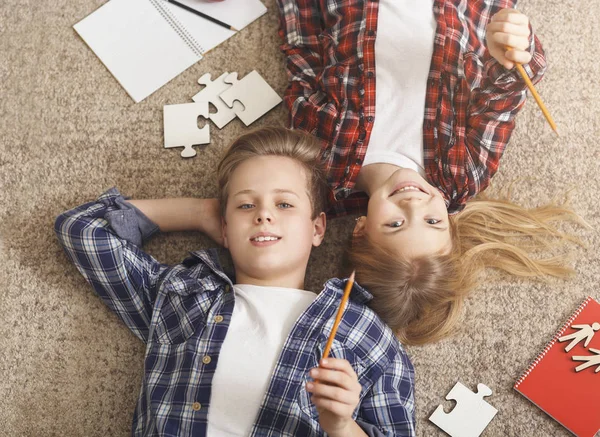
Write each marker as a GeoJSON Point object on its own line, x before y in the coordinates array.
{"type": "Point", "coordinates": [403, 52]}
{"type": "Point", "coordinates": [260, 324]}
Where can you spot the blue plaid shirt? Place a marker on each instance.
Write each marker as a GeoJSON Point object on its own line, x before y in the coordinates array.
{"type": "Point", "coordinates": [182, 313]}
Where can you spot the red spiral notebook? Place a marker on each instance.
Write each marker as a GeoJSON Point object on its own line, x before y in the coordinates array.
{"type": "Point", "coordinates": [552, 383]}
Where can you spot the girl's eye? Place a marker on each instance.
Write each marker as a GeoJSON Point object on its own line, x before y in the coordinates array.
{"type": "Point", "coordinates": [395, 224]}
{"type": "Point", "coordinates": [284, 205]}
{"type": "Point", "coordinates": [245, 206]}
{"type": "Point", "coordinates": [432, 221]}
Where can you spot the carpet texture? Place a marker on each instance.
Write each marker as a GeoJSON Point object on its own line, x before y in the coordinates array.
{"type": "Point", "coordinates": [68, 367]}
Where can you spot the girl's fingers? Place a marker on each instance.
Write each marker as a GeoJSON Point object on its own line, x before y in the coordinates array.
{"type": "Point", "coordinates": [511, 16]}
{"type": "Point", "coordinates": [506, 27]}
{"type": "Point", "coordinates": [518, 56]}
{"type": "Point", "coordinates": [332, 392]}
{"type": "Point", "coordinates": [512, 41]}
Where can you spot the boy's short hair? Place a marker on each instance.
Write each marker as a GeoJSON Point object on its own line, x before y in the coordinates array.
{"type": "Point", "coordinates": [303, 148]}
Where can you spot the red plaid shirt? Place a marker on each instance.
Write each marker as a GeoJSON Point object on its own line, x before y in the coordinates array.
{"type": "Point", "coordinates": [471, 99]}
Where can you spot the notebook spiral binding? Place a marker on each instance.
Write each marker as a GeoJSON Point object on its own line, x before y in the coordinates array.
{"type": "Point", "coordinates": [191, 42]}
{"type": "Point", "coordinates": [551, 342]}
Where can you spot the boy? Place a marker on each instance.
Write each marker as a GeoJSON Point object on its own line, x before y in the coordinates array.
{"type": "Point", "coordinates": [231, 358]}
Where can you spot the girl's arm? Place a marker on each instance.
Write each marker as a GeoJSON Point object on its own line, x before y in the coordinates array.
{"type": "Point", "coordinates": [496, 96]}
{"type": "Point", "coordinates": [300, 24]}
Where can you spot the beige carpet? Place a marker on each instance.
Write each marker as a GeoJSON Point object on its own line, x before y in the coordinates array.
{"type": "Point", "coordinates": [68, 367]}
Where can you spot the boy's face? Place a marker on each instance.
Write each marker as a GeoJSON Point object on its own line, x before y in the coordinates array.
{"type": "Point", "coordinates": [267, 225]}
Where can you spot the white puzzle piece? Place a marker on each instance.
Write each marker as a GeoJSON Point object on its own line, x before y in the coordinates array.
{"type": "Point", "coordinates": [210, 93]}
{"type": "Point", "coordinates": [470, 416]}
{"type": "Point", "coordinates": [181, 127]}
{"type": "Point", "coordinates": [254, 93]}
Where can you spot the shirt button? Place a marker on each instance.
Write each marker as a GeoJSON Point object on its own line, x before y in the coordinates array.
{"type": "Point", "coordinates": [196, 406]}
{"type": "Point", "coordinates": [361, 92]}
{"type": "Point", "coordinates": [371, 33]}
{"type": "Point", "coordinates": [227, 288]}
{"type": "Point", "coordinates": [370, 74]}
{"type": "Point", "coordinates": [206, 359]}
{"type": "Point", "coordinates": [218, 319]}
{"type": "Point", "coordinates": [370, 119]}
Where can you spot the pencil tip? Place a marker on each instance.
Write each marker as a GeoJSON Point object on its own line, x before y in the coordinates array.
{"type": "Point", "coordinates": [351, 278]}
{"type": "Point", "coordinates": [233, 28]}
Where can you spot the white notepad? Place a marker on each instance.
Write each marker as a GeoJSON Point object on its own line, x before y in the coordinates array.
{"type": "Point", "coordinates": [146, 43]}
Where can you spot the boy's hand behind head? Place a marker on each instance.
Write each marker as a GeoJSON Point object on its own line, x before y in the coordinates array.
{"type": "Point", "coordinates": [507, 38]}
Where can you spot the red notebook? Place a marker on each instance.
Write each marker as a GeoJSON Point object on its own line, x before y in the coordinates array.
{"type": "Point", "coordinates": [552, 383]}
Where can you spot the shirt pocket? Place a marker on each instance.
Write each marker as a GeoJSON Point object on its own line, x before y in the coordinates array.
{"type": "Point", "coordinates": [181, 313]}
{"type": "Point", "coordinates": [338, 350]}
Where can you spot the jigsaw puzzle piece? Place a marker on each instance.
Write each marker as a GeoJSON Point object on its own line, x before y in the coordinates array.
{"type": "Point", "coordinates": [254, 93]}
{"type": "Point", "coordinates": [181, 127]}
{"type": "Point", "coordinates": [470, 416]}
{"type": "Point", "coordinates": [211, 92]}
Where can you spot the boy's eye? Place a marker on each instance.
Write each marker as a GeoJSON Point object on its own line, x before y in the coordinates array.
{"type": "Point", "coordinates": [432, 221]}
{"type": "Point", "coordinates": [395, 224]}
{"type": "Point", "coordinates": [284, 205]}
{"type": "Point", "coordinates": [245, 206]}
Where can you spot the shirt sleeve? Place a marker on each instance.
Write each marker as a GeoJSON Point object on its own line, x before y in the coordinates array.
{"type": "Point", "coordinates": [300, 24]}
{"type": "Point", "coordinates": [496, 97]}
{"type": "Point", "coordinates": [388, 408]}
{"type": "Point", "coordinates": [101, 238]}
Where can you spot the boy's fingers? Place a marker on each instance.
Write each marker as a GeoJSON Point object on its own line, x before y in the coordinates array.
{"type": "Point", "coordinates": [332, 392]}
{"type": "Point", "coordinates": [333, 377]}
{"type": "Point", "coordinates": [332, 406]}
{"type": "Point", "coordinates": [339, 364]}
{"type": "Point", "coordinates": [506, 27]}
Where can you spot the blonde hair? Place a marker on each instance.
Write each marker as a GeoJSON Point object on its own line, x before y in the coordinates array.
{"type": "Point", "coordinates": [277, 141]}
{"type": "Point", "coordinates": [421, 298]}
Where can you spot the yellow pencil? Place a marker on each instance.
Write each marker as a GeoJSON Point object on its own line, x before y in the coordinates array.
{"type": "Point", "coordinates": [535, 94]}
{"type": "Point", "coordinates": [338, 317]}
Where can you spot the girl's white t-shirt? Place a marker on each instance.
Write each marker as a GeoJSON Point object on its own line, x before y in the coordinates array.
{"type": "Point", "coordinates": [261, 321]}
{"type": "Point", "coordinates": [403, 52]}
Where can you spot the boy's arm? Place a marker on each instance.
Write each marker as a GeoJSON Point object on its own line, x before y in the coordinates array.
{"type": "Point", "coordinates": [183, 214]}
{"type": "Point", "coordinates": [388, 408]}
{"type": "Point", "coordinates": [102, 239]}
{"type": "Point", "coordinates": [300, 24]}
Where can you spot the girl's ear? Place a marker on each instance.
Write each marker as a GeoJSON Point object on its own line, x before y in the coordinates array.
{"type": "Point", "coordinates": [224, 232]}
{"type": "Point", "coordinates": [320, 224]}
{"type": "Point", "coordinates": [359, 228]}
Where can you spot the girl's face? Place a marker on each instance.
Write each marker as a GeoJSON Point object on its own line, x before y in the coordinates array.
{"type": "Point", "coordinates": [408, 216]}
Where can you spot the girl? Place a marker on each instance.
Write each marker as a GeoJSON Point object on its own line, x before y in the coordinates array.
{"type": "Point", "coordinates": [415, 110]}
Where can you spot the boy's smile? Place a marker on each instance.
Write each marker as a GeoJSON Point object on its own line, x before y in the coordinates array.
{"type": "Point", "coordinates": [267, 225]}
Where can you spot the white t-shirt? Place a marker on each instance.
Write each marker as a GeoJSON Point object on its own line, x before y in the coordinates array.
{"type": "Point", "coordinates": [403, 52]}
{"type": "Point", "coordinates": [260, 324]}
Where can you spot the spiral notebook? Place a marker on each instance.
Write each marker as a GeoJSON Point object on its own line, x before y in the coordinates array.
{"type": "Point", "coordinates": [552, 383]}
{"type": "Point", "coordinates": [146, 43]}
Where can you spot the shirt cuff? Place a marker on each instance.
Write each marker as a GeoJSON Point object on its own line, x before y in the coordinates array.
{"type": "Point", "coordinates": [127, 221]}
{"type": "Point", "coordinates": [511, 79]}
{"type": "Point", "coordinates": [370, 429]}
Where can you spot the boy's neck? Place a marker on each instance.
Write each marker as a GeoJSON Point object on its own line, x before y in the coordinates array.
{"type": "Point", "coordinates": [287, 281]}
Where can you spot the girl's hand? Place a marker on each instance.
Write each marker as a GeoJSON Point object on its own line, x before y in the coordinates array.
{"type": "Point", "coordinates": [336, 394]}
{"type": "Point", "coordinates": [507, 38]}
